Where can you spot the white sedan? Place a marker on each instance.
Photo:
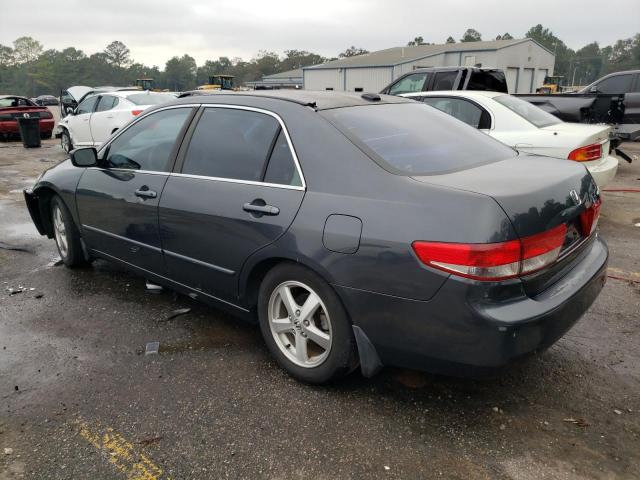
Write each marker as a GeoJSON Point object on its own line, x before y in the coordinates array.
{"type": "Point", "coordinates": [527, 128]}
{"type": "Point", "coordinates": [98, 116]}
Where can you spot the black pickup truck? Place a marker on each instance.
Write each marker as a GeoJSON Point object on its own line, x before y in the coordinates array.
{"type": "Point", "coordinates": [613, 99]}
{"type": "Point", "coordinates": [448, 78]}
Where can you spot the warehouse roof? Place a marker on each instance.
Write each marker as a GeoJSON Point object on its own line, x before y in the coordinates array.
{"type": "Point", "coordinates": [288, 74]}
{"type": "Point", "coordinates": [398, 55]}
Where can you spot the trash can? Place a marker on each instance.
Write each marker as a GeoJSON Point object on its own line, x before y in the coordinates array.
{"type": "Point", "coordinates": [29, 131]}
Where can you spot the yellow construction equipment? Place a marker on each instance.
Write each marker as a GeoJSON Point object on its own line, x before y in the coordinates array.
{"type": "Point", "coordinates": [552, 84]}
{"type": "Point", "coordinates": [218, 82]}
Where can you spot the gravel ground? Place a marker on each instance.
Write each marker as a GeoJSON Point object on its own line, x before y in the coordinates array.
{"type": "Point", "coordinates": [79, 399]}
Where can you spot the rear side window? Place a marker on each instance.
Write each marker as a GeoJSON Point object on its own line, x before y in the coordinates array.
{"type": "Point", "coordinates": [282, 168]}
{"type": "Point", "coordinates": [415, 139]}
{"type": "Point", "coordinates": [409, 84]}
{"type": "Point", "coordinates": [230, 143]}
{"type": "Point", "coordinates": [494, 81]}
{"type": "Point", "coordinates": [445, 80]}
{"type": "Point", "coordinates": [107, 102]}
{"type": "Point", "coordinates": [462, 109]}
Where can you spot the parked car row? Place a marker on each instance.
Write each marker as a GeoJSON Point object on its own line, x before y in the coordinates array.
{"type": "Point", "coordinates": [364, 230]}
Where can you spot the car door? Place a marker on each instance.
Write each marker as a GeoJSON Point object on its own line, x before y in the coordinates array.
{"type": "Point", "coordinates": [237, 189]}
{"type": "Point", "coordinates": [102, 119]}
{"type": "Point", "coordinates": [118, 201]}
{"type": "Point", "coordinates": [79, 122]}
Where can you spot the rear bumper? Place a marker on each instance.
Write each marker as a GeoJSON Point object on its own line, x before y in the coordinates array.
{"type": "Point", "coordinates": [460, 332]}
{"type": "Point", "coordinates": [603, 170]}
{"type": "Point", "coordinates": [10, 127]}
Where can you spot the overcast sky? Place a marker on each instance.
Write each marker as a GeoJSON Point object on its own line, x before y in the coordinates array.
{"type": "Point", "coordinates": [156, 30]}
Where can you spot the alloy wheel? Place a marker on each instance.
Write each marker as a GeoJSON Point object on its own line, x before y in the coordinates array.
{"type": "Point", "coordinates": [60, 232]}
{"type": "Point", "coordinates": [65, 142]}
{"type": "Point", "coordinates": [300, 324]}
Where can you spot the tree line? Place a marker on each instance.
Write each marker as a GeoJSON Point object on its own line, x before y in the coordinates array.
{"type": "Point", "coordinates": [26, 68]}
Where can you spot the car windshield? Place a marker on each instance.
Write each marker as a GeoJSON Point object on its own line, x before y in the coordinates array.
{"type": "Point", "coordinates": [526, 110]}
{"type": "Point", "coordinates": [150, 98]}
{"type": "Point", "coordinates": [416, 139]}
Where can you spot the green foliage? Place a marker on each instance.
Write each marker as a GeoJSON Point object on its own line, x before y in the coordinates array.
{"type": "Point", "coordinates": [504, 36]}
{"type": "Point", "coordinates": [352, 52]}
{"type": "Point", "coordinates": [416, 41]}
{"type": "Point", "coordinates": [451, 40]}
{"type": "Point", "coordinates": [471, 35]}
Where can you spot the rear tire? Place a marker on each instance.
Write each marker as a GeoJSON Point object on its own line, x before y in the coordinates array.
{"type": "Point", "coordinates": [305, 326]}
{"type": "Point", "coordinates": [66, 234]}
{"type": "Point", "coordinates": [65, 141]}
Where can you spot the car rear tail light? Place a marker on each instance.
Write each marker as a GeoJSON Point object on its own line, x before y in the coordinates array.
{"type": "Point", "coordinates": [586, 154]}
{"type": "Point", "coordinates": [136, 112]}
{"type": "Point", "coordinates": [493, 261]}
{"type": "Point", "coordinates": [589, 218]}
{"type": "Point", "coordinates": [46, 114]}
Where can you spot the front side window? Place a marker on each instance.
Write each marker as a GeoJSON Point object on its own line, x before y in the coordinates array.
{"type": "Point", "coordinates": [528, 111]}
{"type": "Point", "coordinates": [615, 85]}
{"type": "Point", "coordinates": [445, 80]}
{"type": "Point", "coordinates": [231, 143]}
{"type": "Point", "coordinates": [87, 105]}
{"type": "Point", "coordinates": [462, 109]}
{"type": "Point", "coordinates": [147, 144]}
{"type": "Point", "coordinates": [414, 139]}
{"type": "Point", "coordinates": [492, 80]}
{"type": "Point", "coordinates": [409, 84]}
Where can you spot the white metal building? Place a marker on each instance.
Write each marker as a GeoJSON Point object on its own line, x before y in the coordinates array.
{"type": "Point", "coordinates": [288, 79]}
{"type": "Point", "coordinates": [524, 61]}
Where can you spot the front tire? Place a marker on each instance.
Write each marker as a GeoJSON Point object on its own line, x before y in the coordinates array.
{"type": "Point", "coordinates": [65, 141]}
{"type": "Point", "coordinates": [66, 234]}
{"type": "Point", "coordinates": [305, 326]}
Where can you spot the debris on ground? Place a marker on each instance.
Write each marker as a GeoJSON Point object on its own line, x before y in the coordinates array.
{"type": "Point", "coordinates": [148, 441]}
{"type": "Point", "coordinates": [617, 412]}
{"type": "Point", "coordinates": [38, 295]}
{"type": "Point", "coordinates": [17, 248]}
{"type": "Point", "coordinates": [153, 288]}
{"type": "Point", "coordinates": [386, 467]}
{"type": "Point", "coordinates": [152, 348]}
{"type": "Point", "coordinates": [56, 262]}
{"type": "Point", "coordinates": [177, 313]}
{"type": "Point", "coordinates": [581, 422]}
{"type": "Point", "coordinates": [8, 451]}
{"type": "Point", "coordinates": [14, 291]}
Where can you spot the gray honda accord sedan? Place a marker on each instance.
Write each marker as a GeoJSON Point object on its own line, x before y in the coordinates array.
{"type": "Point", "coordinates": [358, 230]}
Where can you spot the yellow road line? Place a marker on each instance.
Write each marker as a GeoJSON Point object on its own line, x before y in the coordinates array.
{"type": "Point", "coordinates": [121, 453]}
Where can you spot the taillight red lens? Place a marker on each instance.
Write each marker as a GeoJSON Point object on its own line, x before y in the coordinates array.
{"type": "Point", "coordinates": [493, 261]}
{"type": "Point", "coordinates": [136, 112]}
{"type": "Point", "coordinates": [589, 218]}
{"type": "Point", "coordinates": [586, 154]}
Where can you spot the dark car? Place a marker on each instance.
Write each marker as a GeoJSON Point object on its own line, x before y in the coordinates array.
{"type": "Point", "coordinates": [369, 230]}
{"type": "Point", "coordinates": [45, 100]}
{"type": "Point", "coordinates": [448, 78]}
{"type": "Point", "coordinates": [13, 107]}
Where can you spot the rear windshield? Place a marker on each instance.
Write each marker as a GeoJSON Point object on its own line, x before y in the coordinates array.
{"type": "Point", "coordinates": [150, 98]}
{"type": "Point", "coordinates": [528, 111]}
{"type": "Point", "coordinates": [416, 139]}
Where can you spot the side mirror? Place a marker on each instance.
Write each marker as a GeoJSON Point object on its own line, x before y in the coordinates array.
{"type": "Point", "coordinates": [84, 157]}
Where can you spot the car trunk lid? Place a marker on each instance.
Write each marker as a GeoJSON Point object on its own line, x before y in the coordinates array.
{"type": "Point", "coordinates": [580, 135]}
{"type": "Point", "coordinates": [537, 194]}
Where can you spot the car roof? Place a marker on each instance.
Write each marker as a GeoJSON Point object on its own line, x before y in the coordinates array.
{"type": "Point", "coordinates": [13, 96]}
{"type": "Point", "coordinates": [319, 100]}
{"type": "Point", "coordinates": [455, 93]}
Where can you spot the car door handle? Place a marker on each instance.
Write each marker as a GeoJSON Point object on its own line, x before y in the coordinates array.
{"type": "Point", "coordinates": [145, 193]}
{"type": "Point", "coordinates": [261, 209]}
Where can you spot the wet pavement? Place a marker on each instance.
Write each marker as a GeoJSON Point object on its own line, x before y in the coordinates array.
{"type": "Point", "coordinates": [79, 398]}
